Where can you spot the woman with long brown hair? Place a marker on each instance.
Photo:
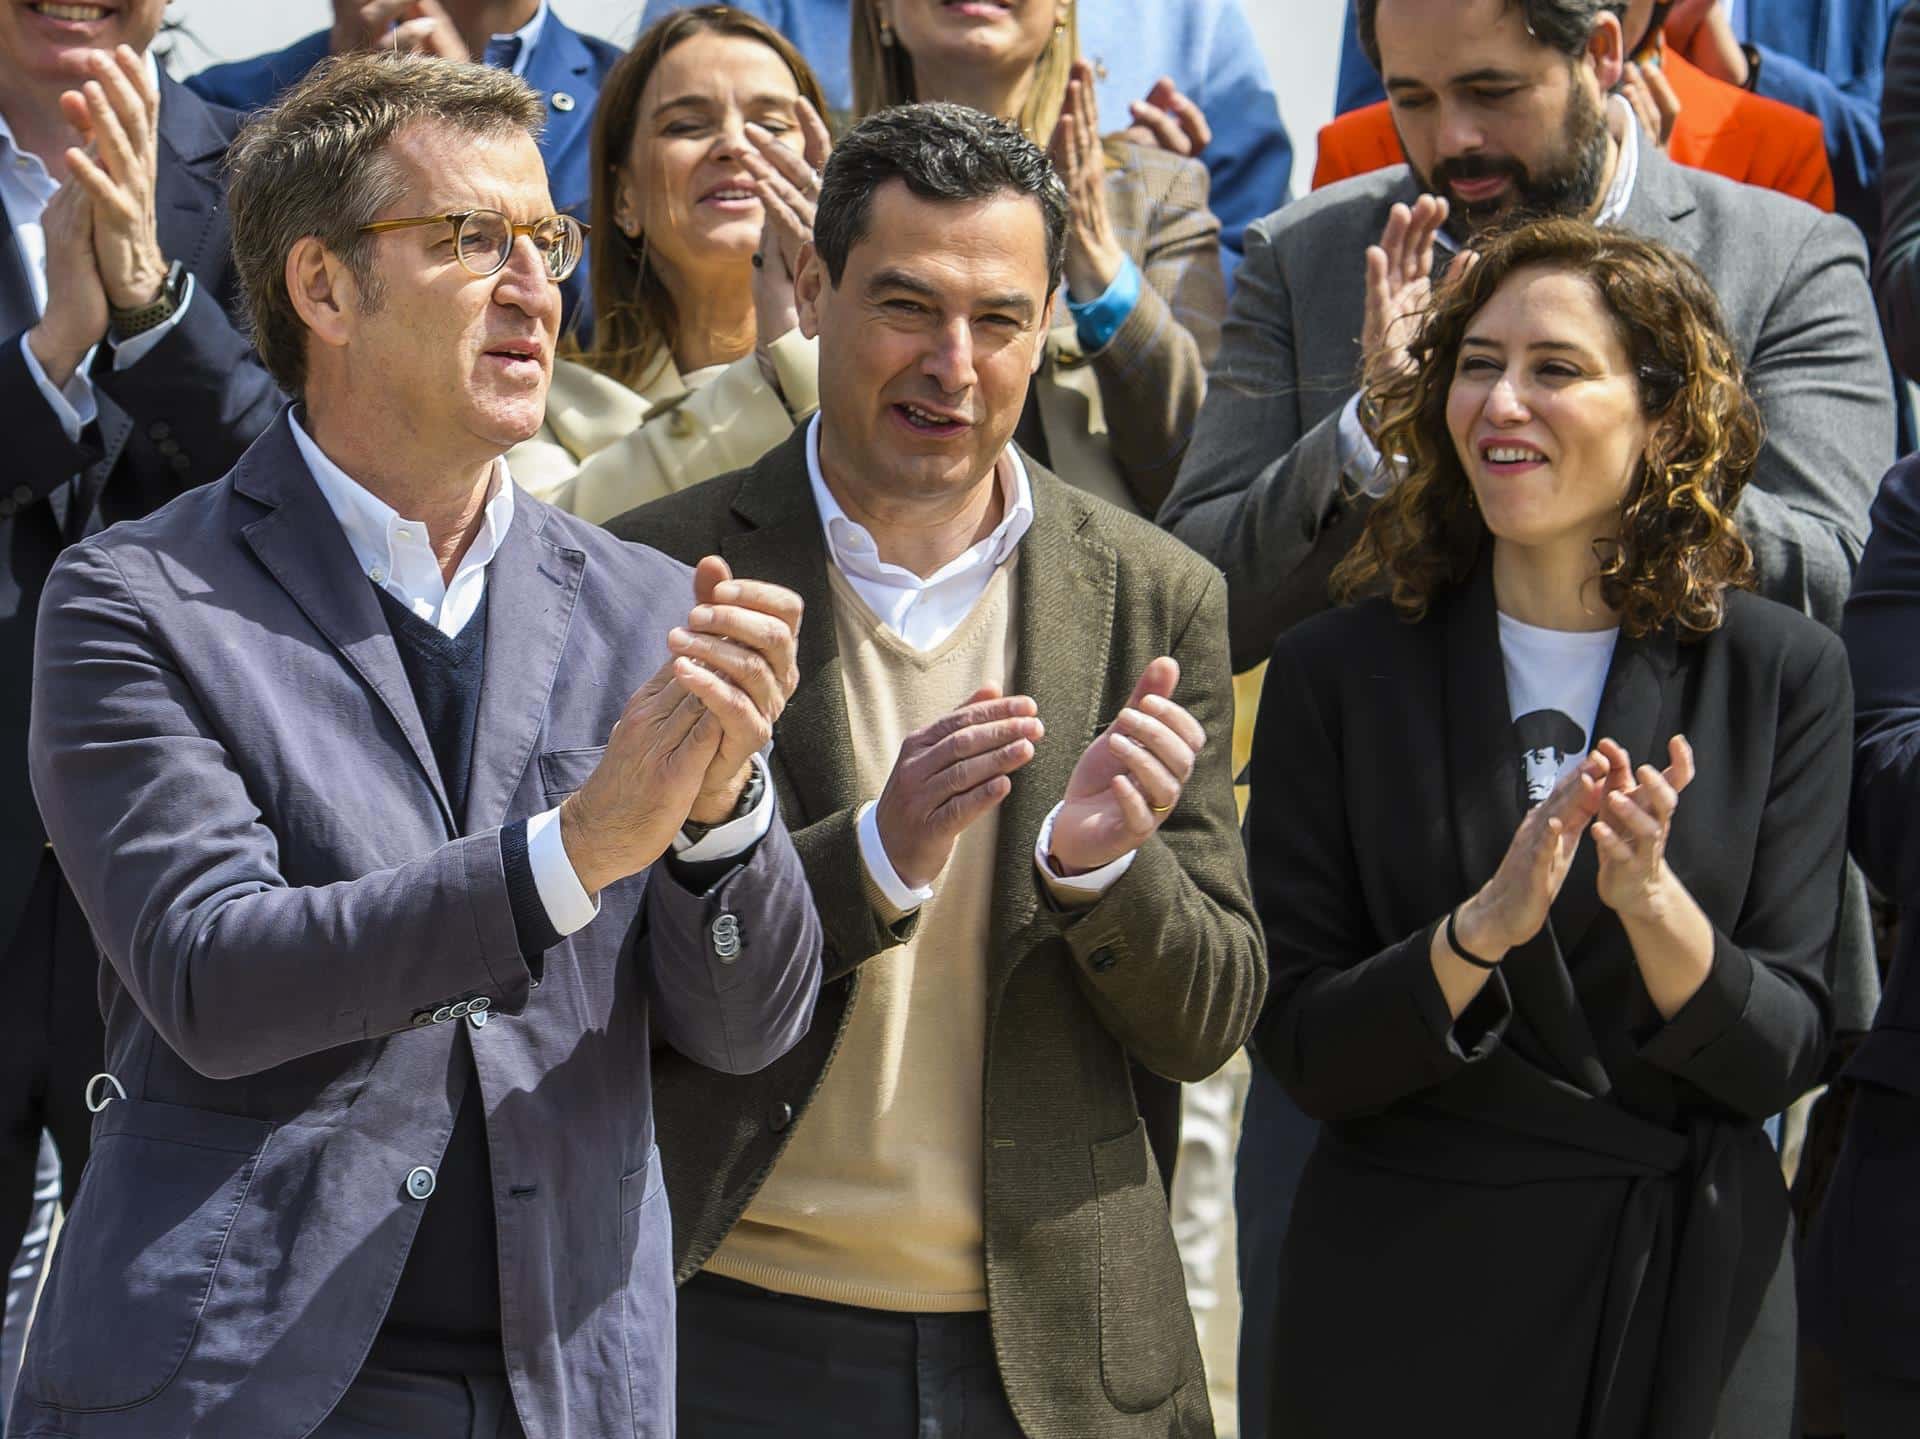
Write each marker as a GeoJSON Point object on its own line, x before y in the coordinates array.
{"type": "Point", "coordinates": [1546, 836]}
{"type": "Point", "coordinates": [707, 141]}
{"type": "Point", "coordinates": [1114, 402]}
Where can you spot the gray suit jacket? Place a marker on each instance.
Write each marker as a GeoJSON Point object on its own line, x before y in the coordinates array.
{"type": "Point", "coordinates": [239, 786]}
{"type": "Point", "coordinates": [1260, 485]}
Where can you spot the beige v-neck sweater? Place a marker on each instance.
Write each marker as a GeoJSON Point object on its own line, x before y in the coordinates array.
{"type": "Point", "coordinates": [877, 1199]}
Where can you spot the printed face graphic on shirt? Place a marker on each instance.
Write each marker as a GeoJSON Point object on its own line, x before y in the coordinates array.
{"type": "Point", "coordinates": [1547, 739]}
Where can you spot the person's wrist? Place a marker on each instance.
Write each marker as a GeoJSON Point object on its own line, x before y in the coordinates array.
{"type": "Point", "coordinates": [1476, 929]}
{"type": "Point", "coordinates": [59, 354]}
{"type": "Point", "coordinates": [577, 840]}
{"type": "Point", "coordinates": [1091, 267]}
{"type": "Point", "coordinates": [718, 805]}
{"type": "Point", "coordinates": [141, 287]}
{"type": "Point", "coordinates": [910, 874]}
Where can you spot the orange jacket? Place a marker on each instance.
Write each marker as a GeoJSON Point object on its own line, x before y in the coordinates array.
{"type": "Point", "coordinates": [1720, 128]}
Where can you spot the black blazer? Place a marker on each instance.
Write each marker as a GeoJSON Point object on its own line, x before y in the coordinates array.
{"type": "Point", "coordinates": [1558, 1214]}
{"type": "Point", "coordinates": [181, 417]}
{"type": "Point", "coordinates": [1862, 1266]}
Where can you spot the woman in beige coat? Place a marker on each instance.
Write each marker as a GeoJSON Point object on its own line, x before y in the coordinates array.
{"type": "Point", "coordinates": [697, 366]}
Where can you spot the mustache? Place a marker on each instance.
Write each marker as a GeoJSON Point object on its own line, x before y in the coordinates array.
{"type": "Point", "coordinates": [1480, 167]}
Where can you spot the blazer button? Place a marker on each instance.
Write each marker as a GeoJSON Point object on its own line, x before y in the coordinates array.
{"type": "Point", "coordinates": [419, 1182]}
{"type": "Point", "coordinates": [779, 1116]}
{"type": "Point", "coordinates": [23, 494]}
{"type": "Point", "coordinates": [7, 507]}
{"type": "Point", "coordinates": [561, 101]}
{"type": "Point", "coordinates": [422, 1016]}
{"type": "Point", "coordinates": [159, 430]}
{"type": "Point", "coordinates": [1102, 960]}
{"type": "Point", "coordinates": [167, 447]}
{"type": "Point", "coordinates": [726, 937]}
{"type": "Point", "coordinates": [443, 1014]}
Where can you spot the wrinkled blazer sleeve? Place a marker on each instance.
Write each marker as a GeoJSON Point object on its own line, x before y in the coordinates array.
{"type": "Point", "coordinates": [1819, 371]}
{"type": "Point", "coordinates": [238, 969]}
{"type": "Point", "coordinates": [1170, 957]}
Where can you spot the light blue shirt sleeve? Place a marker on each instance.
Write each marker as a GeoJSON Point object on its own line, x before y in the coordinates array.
{"type": "Point", "coordinates": [1097, 321]}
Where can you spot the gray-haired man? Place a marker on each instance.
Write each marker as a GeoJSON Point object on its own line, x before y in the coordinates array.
{"type": "Point", "coordinates": [367, 769]}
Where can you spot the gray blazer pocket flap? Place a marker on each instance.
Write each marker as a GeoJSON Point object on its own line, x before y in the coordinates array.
{"type": "Point", "coordinates": [562, 771]}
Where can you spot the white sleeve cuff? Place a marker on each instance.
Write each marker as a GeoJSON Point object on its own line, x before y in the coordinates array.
{"type": "Point", "coordinates": [73, 406]}
{"type": "Point", "coordinates": [569, 907]}
{"type": "Point", "coordinates": [1079, 888]}
{"type": "Point", "coordinates": [1359, 456]}
{"type": "Point", "coordinates": [131, 352]}
{"type": "Point", "coordinates": [886, 879]}
{"type": "Point", "coordinates": [736, 836]}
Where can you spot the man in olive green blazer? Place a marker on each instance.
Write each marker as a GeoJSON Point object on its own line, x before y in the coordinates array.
{"type": "Point", "coordinates": [949, 1174]}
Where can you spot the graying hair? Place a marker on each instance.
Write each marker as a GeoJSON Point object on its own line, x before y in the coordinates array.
{"type": "Point", "coordinates": [317, 164]}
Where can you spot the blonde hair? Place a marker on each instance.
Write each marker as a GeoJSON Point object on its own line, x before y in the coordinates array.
{"type": "Point", "coordinates": [883, 73]}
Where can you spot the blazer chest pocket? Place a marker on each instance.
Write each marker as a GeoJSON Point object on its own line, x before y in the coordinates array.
{"type": "Point", "coordinates": [1146, 1329]}
{"type": "Point", "coordinates": [562, 771]}
{"type": "Point", "coordinates": [136, 1261]}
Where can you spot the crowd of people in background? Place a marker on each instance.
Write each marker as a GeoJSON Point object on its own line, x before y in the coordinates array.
{"type": "Point", "coordinates": [738, 736]}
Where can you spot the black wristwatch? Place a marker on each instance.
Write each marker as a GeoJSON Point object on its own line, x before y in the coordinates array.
{"type": "Point", "coordinates": [125, 324]}
{"type": "Point", "coordinates": [750, 793]}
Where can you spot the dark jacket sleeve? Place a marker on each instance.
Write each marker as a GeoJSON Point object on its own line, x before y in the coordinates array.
{"type": "Point", "coordinates": [852, 918]}
{"type": "Point", "coordinates": [1350, 1027]}
{"type": "Point", "coordinates": [40, 455]}
{"type": "Point", "coordinates": [1881, 628]}
{"type": "Point", "coordinates": [1896, 267]}
{"type": "Point", "coordinates": [1170, 957]}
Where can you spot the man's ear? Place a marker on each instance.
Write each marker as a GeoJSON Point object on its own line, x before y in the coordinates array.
{"type": "Point", "coordinates": [323, 292]}
{"type": "Point", "coordinates": [809, 290]}
{"type": "Point", "coordinates": [1607, 51]}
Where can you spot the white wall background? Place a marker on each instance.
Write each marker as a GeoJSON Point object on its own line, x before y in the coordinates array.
{"type": "Point", "coordinates": [1301, 40]}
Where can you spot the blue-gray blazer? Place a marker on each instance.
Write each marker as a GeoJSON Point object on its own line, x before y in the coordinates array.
{"type": "Point", "coordinates": [239, 786]}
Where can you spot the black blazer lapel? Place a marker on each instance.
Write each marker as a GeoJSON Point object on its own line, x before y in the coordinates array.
{"type": "Point", "coordinates": [304, 548]}
{"type": "Point", "coordinates": [18, 312]}
{"type": "Point", "coordinates": [1065, 586]}
{"type": "Point", "coordinates": [784, 546]}
{"type": "Point", "coordinates": [532, 584]}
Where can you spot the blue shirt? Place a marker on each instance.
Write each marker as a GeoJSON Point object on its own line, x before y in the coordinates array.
{"type": "Point", "coordinates": [1205, 46]}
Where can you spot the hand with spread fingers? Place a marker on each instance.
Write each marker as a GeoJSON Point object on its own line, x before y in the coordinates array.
{"type": "Point", "coordinates": [1094, 256]}
{"type": "Point", "coordinates": [75, 319]}
{"type": "Point", "coordinates": [117, 113]}
{"type": "Point", "coordinates": [788, 184]}
{"type": "Point", "coordinates": [1399, 284]}
{"type": "Point", "coordinates": [1648, 91]}
{"type": "Point", "coordinates": [1630, 832]}
{"type": "Point", "coordinates": [738, 656]}
{"type": "Point", "coordinates": [417, 27]}
{"type": "Point", "coordinates": [1130, 778]}
{"type": "Point", "coordinates": [950, 773]}
{"type": "Point", "coordinates": [1168, 120]}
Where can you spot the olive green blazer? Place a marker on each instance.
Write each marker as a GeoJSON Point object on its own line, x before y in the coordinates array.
{"type": "Point", "coordinates": [1158, 981]}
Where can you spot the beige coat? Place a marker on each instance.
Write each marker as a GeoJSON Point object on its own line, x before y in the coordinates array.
{"type": "Point", "coordinates": [605, 448]}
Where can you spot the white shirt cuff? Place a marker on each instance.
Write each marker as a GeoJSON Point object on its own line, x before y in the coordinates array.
{"type": "Point", "coordinates": [131, 352]}
{"type": "Point", "coordinates": [1359, 456]}
{"type": "Point", "coordinates": [1079, 888]}
{"type": "Point", "coordinates": [736, 836]}
{"type": "Point", "coordinates": [569, 907]}
{"type": "Point", "coordinates": [74, 407]}
{"type": "Point", "coordinates": [886, 879]}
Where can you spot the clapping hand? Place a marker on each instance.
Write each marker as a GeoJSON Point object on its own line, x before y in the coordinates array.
{"type": "Point", "coordinates": [1630, 834]}
{"type": "Point", "coordinates": [1169, 121]}
{"type": "Point", "coordinates": [418, 27]}
{"type": "Point", "coordinates": [76, 315]}
{"type": "Point", "coordinates": [788, 184]}
{"type": "Point", "coordinates": [1130, 777]}
{"type": "Point", "coordinates": [117, 115]}
{"type": "Point", "coordinates": [1399, 284]}
{"type": "Point", "coordinates": [1512, 906]}
{"type": "Point", "coordinates": [1094, 256]}
{"type": "Point", "coordinates": [1647, 90]}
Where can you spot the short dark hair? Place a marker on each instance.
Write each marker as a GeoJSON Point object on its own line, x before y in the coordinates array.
{"type": "Point", "coordinates": [1562, 24]}
{"type": "Point", "coordinates": [1549, 729]}
{"type": "Point", "coordinates": [939, 152]}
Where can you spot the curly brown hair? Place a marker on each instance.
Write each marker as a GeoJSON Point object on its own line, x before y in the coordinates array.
{"type": "Point", "coordinates": [1678, 549]}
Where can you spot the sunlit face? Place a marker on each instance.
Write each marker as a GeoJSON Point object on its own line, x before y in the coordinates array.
{"type": "Point", "coordinates": [683, 183]}
{"type": "Point", "coordinates": [1003, 36]}
{"type": "Point", "coordinates": [930, 338]}
{"type": "Point", "coordinates": [45, 43]}
{"type": "Point", "coordinates": [1490, 117]}
{"type": "Point", "coordinates": [459, 356]}
{"type": "Point", "coordinates": [1545, 412]}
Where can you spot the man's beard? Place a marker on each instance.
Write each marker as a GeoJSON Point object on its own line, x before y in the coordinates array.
{"type": "Point", "coordinates": [1570, 185]}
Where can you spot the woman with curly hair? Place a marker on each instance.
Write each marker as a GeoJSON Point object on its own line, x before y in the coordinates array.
{"type": "Point", "coordinates": [1543, 1036]}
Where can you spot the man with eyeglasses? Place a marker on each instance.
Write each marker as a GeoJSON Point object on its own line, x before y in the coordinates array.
{"type": "Point", "coordinates": [412, 817]}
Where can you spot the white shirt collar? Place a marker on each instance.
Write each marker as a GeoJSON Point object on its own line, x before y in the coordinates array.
{"type": "Point", "coordinates": [395, 552]}
{"type": "Point", "coordinates": [528, 36]}
{"type": "Point", "coordinates": [852, 546]}
{"type": "Point", "coordinates": [1625, 126]}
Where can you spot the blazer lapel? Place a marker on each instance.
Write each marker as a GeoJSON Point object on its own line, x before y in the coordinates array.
{"type": "Point", "coordinates": [304, 548]}
{"type": "Point", "coordinates": [17, 308]}
{"type": "Point", "coordinates": [532, 585]}
{"type": "Point", "coordinates": [1065, 587]}
{"type": "Point", "coordinates": [784, 546]}
{"type": "Point", "coordinates": [561, 70]}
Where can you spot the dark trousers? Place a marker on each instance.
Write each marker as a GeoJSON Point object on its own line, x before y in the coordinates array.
{"type": "Point", "coordinates": [386, 1404]}
{"type": "Point", "coordinates": [755, 1363]}
{"type": "Point", "coordinates": [1275, 1142]}
{"type": "Point", "coordinates": [51, 1043]}
{"type": "Point", "coordinates": [1880, 1407]}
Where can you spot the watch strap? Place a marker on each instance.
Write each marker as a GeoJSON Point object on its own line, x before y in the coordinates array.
{"type": "Point", "coordinates": [125, 324]}
{"type": "Point", "coordinates": [750, 793]}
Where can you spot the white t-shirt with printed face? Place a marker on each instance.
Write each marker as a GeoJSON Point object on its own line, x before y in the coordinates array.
{"type": "Point", "coordinates": [1554, 680]}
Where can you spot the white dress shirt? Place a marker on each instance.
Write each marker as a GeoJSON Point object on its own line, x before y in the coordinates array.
{"type": "Point", "coordinates": [923, 612]}
{"type": "Point", "coordinates": [25, 191]}
{"type": "Point", "coordinates": [395, 553]}
{"type": "Point", "coordinates": [1359, 457]}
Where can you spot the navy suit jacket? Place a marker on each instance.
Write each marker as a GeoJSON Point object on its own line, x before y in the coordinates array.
{"type": "Point", "coordinates": [566, 67]}
{"type": "Point", "coordinates": [296, 923]}
{"type": "Point", "coordinates": [179, 417]}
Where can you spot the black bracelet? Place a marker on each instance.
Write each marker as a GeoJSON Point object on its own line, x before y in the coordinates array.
{"type": "Point", "coordinates": [1453, 943]}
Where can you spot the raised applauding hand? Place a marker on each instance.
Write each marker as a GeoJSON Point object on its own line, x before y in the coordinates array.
{"type": "Point", "coordinates": [1168, 120]}
{"type": "Point", "coordinates": [1512, 906]}
{"type": "Point", "coordinates": [1094, 256]}
{"type": "Point", "coordinates": [415, 27]}
{"type": "Point", "coordinates": [1399, 284]}
{"type": "Point", "coordinates": [788, 184]}
{"type": "Point", "coordinates": [1630, 831]}
{"type": "Point", "coordinates": [1653, 101]}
